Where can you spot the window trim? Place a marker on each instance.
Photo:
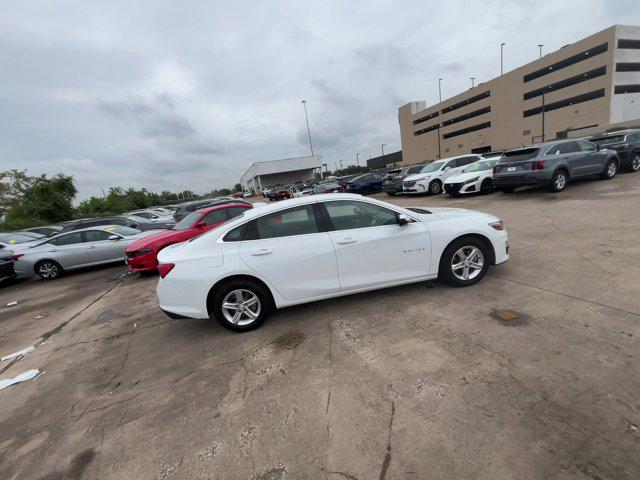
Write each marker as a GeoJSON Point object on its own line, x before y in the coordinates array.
{"type": "Point", "coordinates": [331, 226]}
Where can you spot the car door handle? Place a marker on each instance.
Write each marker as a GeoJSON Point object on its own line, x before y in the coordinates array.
{"type": "Point", "coordinates": [53, 250]}
{"type": "Point", "coordinates": [346, 241]}
{"type": "Point", "coordinates": [565, 158]}
{"type": "Point", "coordinates": [262, 251]}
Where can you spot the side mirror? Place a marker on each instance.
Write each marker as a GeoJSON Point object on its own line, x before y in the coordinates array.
{"type": "Point", "coordinates": [201, 224]}
{"type": "Point", "coordinates": [403, 219]}
{"type": "Point", "coordinates": [114, 237]}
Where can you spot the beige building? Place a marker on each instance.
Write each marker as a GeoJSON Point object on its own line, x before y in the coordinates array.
{"type": "Point", "coordinates": [590, 83]}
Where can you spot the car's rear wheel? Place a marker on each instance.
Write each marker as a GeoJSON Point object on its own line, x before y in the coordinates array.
{"type": "Point", "coordinates": [610, 170]}
{"type": "Point", "coordinates": [48, 269]}
{"type": "Point", "coordinates": [558, 181]}
{"type": "Point", "coordinates": [241, 305]}
{"type": "Point", "coordinates": [435, 187]}
{"type": "Point", "coordinates": [464, 262]}
{"type": "Point", "coordinates": [486, 186]}
{"type": "Point", "coordinates": [635, 163]}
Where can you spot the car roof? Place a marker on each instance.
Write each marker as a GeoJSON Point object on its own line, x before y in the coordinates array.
{"type": "Point", "coordinates": [222, 206]}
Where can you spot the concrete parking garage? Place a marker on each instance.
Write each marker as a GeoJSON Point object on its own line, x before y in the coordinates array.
{"type": "Point", "coordinates": [531, 374]}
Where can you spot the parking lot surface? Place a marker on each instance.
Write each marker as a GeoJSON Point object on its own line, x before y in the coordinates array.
{"type": "Point", "coordinates": [531, 374]}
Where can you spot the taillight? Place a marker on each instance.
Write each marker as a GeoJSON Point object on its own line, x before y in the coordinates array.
{"type": "Point", "coordinates": [495, 169]}
{"type": "Point", "coordinates": [619, 146]}
{"type": "Point", "coordinates": [165, 268]}
{"type": "Point", "coordinates": [16, 256]}
{"type": "Point", "coordinates": [398, 177]}
{"type": "Point", "coordinates": [537, 165]}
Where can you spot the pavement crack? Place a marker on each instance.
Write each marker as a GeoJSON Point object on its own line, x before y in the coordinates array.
{"type": "Point", "coordinates": [387, 457]}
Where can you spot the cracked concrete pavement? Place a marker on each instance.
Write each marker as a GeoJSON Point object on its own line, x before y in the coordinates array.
{"type": "Point", "coordinates": [417, 382]}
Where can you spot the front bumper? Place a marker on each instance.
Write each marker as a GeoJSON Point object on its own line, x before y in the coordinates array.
{"type": "Point", "coordinates": [421, 186]}
{"type": "Point", "coordinates": [143, 263]}
{"type": "Point", "coordinates": [460, 188]}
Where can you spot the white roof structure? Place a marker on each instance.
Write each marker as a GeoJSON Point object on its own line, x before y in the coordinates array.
{"type": "Point", "coordinates": [282, 165]}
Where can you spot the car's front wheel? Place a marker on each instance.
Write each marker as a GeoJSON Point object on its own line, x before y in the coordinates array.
{"type": "Point", "coordinates": [610, 170]}
{"type": "Point", "coordinates": [241, 305]}
{"type": "Point", "coordinates": [435, 187]}
{"type": "Point", "coordinates": [635, 163]}
{"type": "Point", "coordinates": [558, 181]}
{"type": "Point", "coordinates": [464, 262]}
{"type": "Point", "coordinates": [486, 186]}
{"type": "Point", "coordinates": [48, 269]}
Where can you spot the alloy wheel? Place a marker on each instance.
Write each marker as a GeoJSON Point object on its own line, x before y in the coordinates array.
{"type": "Point", "coordinates": [467, 263]}
{"type": "Point", "coordinates": [611, 169]}
{"type": "Point", "coordinates": [241, 307]}
{"type": "Point", "coordinates": [635, 163]}
{"type": "Point", "coordinates": [435, 187]}
{"type": "Point", "coordinates": [48, 270]}
{"type": "Point", "coordinates": [561, 181]}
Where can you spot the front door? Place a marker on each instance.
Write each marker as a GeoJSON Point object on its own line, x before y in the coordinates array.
{"type": "Point", "coordinates": [372, 248]}
{"type": "Point", "coordinates": [101, 249]}
{"type": "Point", "coordinates": [291, 252]}
{"type": "Point", "coordinates": [69, 250]}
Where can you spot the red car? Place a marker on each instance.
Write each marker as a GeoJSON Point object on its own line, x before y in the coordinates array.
{"type": "Point", "coordinates": [142, 255]}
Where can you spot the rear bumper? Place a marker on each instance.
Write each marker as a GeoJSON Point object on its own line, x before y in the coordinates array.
{"type": "Point", "coordinates": [519, 181]}
{"type": "Point", "coordinates": [392, 187]}
{"type": "Point", "coordinates": [175, 316]}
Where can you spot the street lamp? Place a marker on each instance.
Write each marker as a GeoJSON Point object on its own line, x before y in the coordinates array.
{"type": "Point", "coordinates": [440, 90]}
{"type": "Point", "coordinates": [340, 164]}
{"type": "Point", "coordinates": [306, 117]}
{"type": "Point", "coordinates": [358, 159]}
{"type": "Point", "coordinates": [382, 148]}
{"type": "Point", "coordinates": [540, 45]}
{"type": "Point", "coordinates": [473, 82]}
{"type": "Point", "coordinates": [502, 58]}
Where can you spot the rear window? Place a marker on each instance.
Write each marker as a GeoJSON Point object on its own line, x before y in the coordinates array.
{"type": "Point", "coordinates": [607, 140]}
{"type": "Point", "coordinates": [16, 238]}
{"type": "Point", "coordinates": [519, 155]}
{"type": "Point", "coordinates": [124, 231]}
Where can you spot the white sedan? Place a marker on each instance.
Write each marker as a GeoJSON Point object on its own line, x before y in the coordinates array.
{"type": "Point", "coordinates": [432, 176]}
{"type": "Point", "coordinates": [476, 178]}
{"type": "Point", "coordinates": [306, 249]}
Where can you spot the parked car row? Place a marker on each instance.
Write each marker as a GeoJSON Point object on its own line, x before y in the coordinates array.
{"type": "Point", "coordinates": [551, 164]}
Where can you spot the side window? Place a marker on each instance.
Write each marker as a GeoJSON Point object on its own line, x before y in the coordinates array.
{"type": "Point", "coordinates": [464, 161]}
{"type": "Point", "coordinates": [215, 216]}
{"type": "Point", "coordinates": [96, 235]}
{"type": "Point", "coordinates": [568, 147]}
{"type": "Point", "coordinates": [120, 221]}
{"type": "Point", "coordinates": [235, 235]}
{"type": "Point", "coordinates": [68, 239]}
{"type": "Point", "coordinates": [586, 146]}
{"type": "Point", "coordinates": [347, 214]}
{"type": "Point", "coordinates": [233, 212]}
{"type": "Point", "coordinates": [634, 137]}
{"type": "Point", "coordinates": [450, 164]}
{"type": "Point", "coordinates": [413, 170]}
{"type": "Point", "coordinates": [285, 223]}
{"type": "Point", "coordinates": [555, 150]}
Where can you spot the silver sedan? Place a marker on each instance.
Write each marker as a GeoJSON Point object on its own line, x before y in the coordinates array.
{"type": "Point", "coordinates": [77, 249]}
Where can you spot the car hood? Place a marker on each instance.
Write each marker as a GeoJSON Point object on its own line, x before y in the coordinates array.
{"type": "Point", "coordinates": [419, 176]}
{"type": "Point", "coordinates": [160, 238]}
{"type": "Point", "coordinates": [445, 213]}
{"type": "Point", "coordinates": [462, 177]}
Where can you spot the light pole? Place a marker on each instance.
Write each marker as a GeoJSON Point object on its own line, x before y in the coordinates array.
{"type": "Point", "coordinates": [473, 82]}
{"type": "Point", "coordinates": [543, 109]}
{"type": "Point", "coordinates": [540, 45]}
{"type": "Point", "coordinates": [382, 148]}
{"type": "Point", "coordinates": [439, 90]}
{"type": "Point", "coordinates": [340, 164]}
{"type": "Point", "coordinates": [502, 57]}
{"type": "Point", "coordinates": [358, 159]}
{"type": "Point", "coordinates": [306, 117]}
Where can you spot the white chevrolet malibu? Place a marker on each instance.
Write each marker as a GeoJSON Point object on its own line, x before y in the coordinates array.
{"type": "Point", "coordinates": [311, 248]}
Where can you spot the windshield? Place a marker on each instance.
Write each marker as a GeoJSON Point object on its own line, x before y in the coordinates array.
{"type": "Point", "coordinates": [137, 219]}
{"type": "Point", "coordinates": [145, 215]}
{"type": "Point", "coordinates": [187, 221]}
{"type": "Point", "coordinates": [13, 238]}
{"type": "Point", "coordinates": [608, 140]}
{"type": "Point", "coordinates": [125, 231]}
{"type": "Point", "coordinates": [432, 167]}
{"type": "Point", "coordinates": [479, 166]}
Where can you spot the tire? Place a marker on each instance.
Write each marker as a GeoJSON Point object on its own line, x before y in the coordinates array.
{"type": "Point", "coordinates": [486, 186]}
{"type": "Point", "coordinates": [507, 189]}
{"type": "Point", "coordinates": [610, 170]}
{"type": "Point", "coordinates": [48, 269]}
{"type": "Point", "coordinates": [559, 181]}
{"type": "Point", "coordinates": [435, 187]}
{"type": "Point", "coordinates": [634, 166]}
{"type": "Point", "coordinates": [472, 247]}
{"type": "Point", "coordinates": [249, 290]}
{"type": "Point", "coordinates": [364, 191]}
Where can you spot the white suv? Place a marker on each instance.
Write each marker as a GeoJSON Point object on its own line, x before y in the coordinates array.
{"type": "Point", "coordinates": [432, 176]}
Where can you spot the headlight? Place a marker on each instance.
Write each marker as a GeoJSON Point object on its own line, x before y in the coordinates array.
{"type": "Point", "coordinates": [425, 178]}
{"type": "Point", "coordinates": [497, 225]}
{"type": "Point", "coordinates": [471, 180]}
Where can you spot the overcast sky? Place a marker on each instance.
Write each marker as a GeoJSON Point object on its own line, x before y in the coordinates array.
{"type": "Point", "coordinates": [189, 94]}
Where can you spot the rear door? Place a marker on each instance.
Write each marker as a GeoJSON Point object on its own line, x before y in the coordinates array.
{"type": "Point", "coordinates": [571, 153]}
{"type": "Point", "coordinates": [101, 249]}
{"type": "Point", "coordinates": [372, 248]}
{"type": "Point", "coordinates": [69, 250]}
{"type": "Point", "coordinates": [293, 252]}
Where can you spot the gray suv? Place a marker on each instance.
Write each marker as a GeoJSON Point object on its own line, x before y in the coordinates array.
{"type": "Point", "coordinates": [553, 164]}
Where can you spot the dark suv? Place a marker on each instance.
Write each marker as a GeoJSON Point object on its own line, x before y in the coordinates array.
{"type": "Point", "coordinates": [627, 146]}
{"type": "Point", "coordinates": [392, 181]}
{"type": "Point", "coordinates": [553, 164]}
